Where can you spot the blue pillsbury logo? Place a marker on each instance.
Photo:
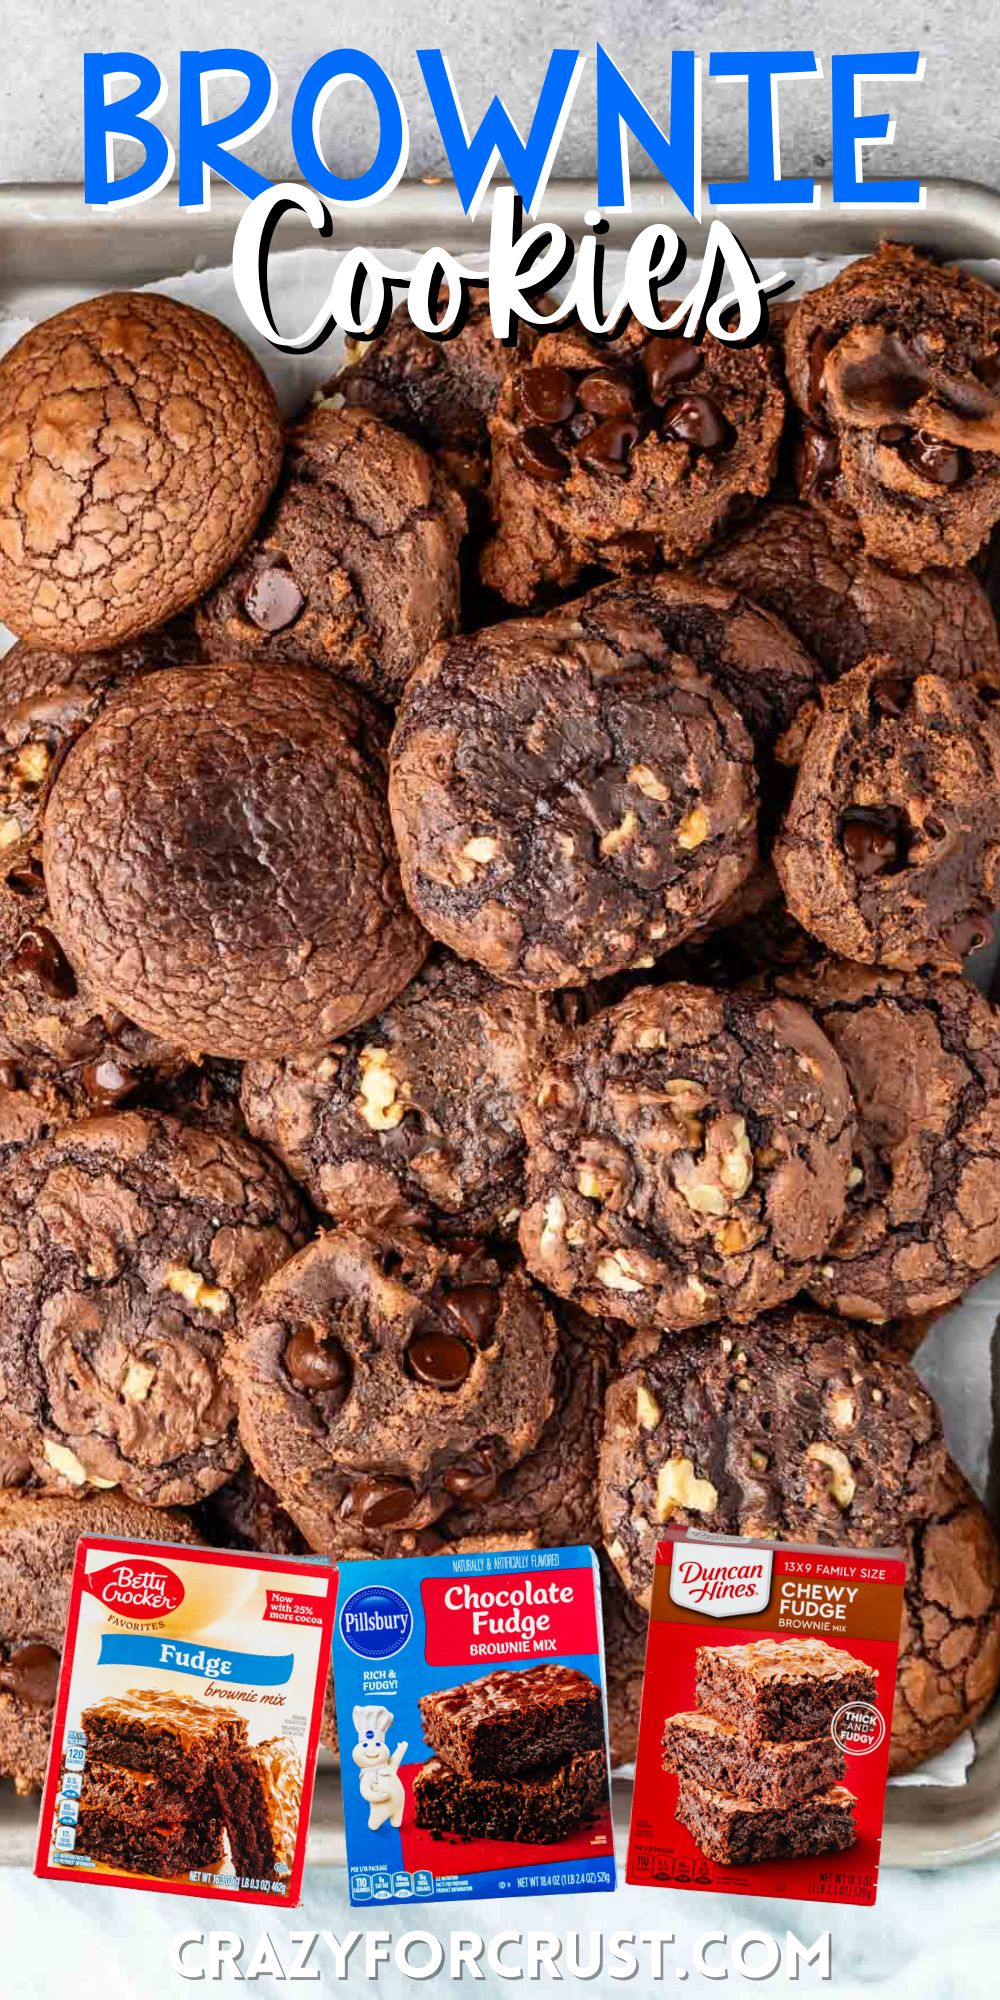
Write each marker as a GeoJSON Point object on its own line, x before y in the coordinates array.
{"type": "Point", "coordinates": [375, 1622]}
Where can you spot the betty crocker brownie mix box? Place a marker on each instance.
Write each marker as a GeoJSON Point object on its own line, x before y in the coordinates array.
{"type": "Point", "coordinates": [472, 1724]}
{"type": "Point", "coordinates": [187, 1720]}
{"type": "Point", "coordinates": [766, 1715]}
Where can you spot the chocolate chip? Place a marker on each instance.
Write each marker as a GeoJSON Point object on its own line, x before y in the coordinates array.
{"type": "Point", "coordinates": [608, 446]}
{"type": "Point", "coordinates": [669, 361]}
{"type": "Point", "coordinates": [31, 1675]}
{"type": "Point", "coordinates": [475, 1308]}
{"type": "Point", "coordinates": [538, 456]}
{"type": "Point", "coordinates": [817, 368]}
{"type": "Point", "coordinates": [816, 460]}
{"type": "Point", "coordinates": [273, 600]}
{"type": "Point", "coordinates": [547, 395]}
{"type": "Point", "coordinates": [441, 1360]}
{"type": "Point", "coordinates": [380, 1503]}
{"type": "Point", "coordinates": [108, 1081]}
{"type": "Point", "coordinates": [697, 421]}
{"type": "Point", "coordinates": [874, 842]}
{"type": "Point", "coordinates": [10, 1076]}
{"type": "Point", "coordinates": [945, 464]}
{"type": "Point", "coordinates": [27, 881]}
{"type": "Point", "coordinates": [475, 1479]}
{"type": "Point", "coordinates": [606, 395]}
{"type": "Point", "coordinates": [971, 933]}
{"type": "Point", "coordinates": [39, 955]}
{"type": "Point", "coordinates": [934, 829]}
{"type": "Point", "coordinates": [320, 1366]}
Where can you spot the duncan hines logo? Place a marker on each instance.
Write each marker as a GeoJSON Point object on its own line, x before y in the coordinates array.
{"type": "Point", "coordinates": [720, 1583]}
{"type": "Point", "coordinates": [136, 1589]}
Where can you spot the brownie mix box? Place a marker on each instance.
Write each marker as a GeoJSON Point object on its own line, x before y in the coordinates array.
{"type": "Point", "coordinates": [187, 1720]}
{"type": "Point", "coordinates": [472, 1722]}
{"type": "Point", "coordinates": [766, 1716]}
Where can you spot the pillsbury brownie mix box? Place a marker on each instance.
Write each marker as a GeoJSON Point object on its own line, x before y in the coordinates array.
{"type": "Point", "coordinates": [472, 1725]}
{"type": "Point", "coordinates": [187, 1720]}
{"type": "Point", "coordinates": [766, 1714]}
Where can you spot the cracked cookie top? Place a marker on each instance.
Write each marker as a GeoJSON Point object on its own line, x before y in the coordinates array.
{"type": "Point", "coordinates": [689, 1154]}
{"type": "Point", "coordinates": [890, 850]}
{"type": "Point", "coordinates": [129, 1245]}
{"type": "Point", "coordinates": [569, 794]}
{"type": "Point", "coordinates": [222, 869]}
{"type": "Point", "coordinates": [381, 1378]}
{"type": "Point", "coordinates": [949, 1642]}
{"type": "Point", "coordinates": [797, 1427]}
{"type": "Point", "coordinates": [355, 567]}
{"type": "Point", "coordinates": [139, 442]}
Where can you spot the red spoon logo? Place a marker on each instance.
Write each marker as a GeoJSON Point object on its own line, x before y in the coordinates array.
{"type": "Point", "coordinates": [136, 1587]}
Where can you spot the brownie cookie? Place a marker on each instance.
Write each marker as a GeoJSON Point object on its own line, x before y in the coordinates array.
{"type": "Point", "coordinates": [415, 1116]}
{"type": "Point", "coordinates": [380, 1378]}
{"type": "Point", "coordinates": [798, 1427]}
{"type": "Point", "coordinates": [355, 567]}
{"type": "Point", "coordinates": [949, 1657]}
{"type": "Point", "coordinates": [812, 570]}
{"type": "Point", "coordinates": [139, 442]}
{"type": "Point", "coordinates": [922, 1055]}
{"type": "Point", "coordinates": [890, 850]}
{"type": "Point", "coordinates": [38, 1537]}
{"type": "Point", "coordinates": [442, 393]}
{"type": "Point", "coordinates": [620, 454]}
{"type": "Point", "coordinates": [223, 870]}
{"type": "Point", "coordinates": [128, 1245]}
{"type": "Point", "coordinates": [552, 1491]}
{"type": "Point", "coordinates": [569, 796]}
{"type": "Point", "coordinates": [894, 366]}
{"type": "Point", "coordinates": [689, 1155]}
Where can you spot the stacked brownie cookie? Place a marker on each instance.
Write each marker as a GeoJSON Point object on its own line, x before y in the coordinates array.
{"type": "Point", "coordinates": [484, 886]}
{"type": "Point", "coordinates": [519, 1755]}
{"type": "Point", "coordinates": [759, 1769]}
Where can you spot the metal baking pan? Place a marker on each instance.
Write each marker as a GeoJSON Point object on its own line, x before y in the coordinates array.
{"type": "Point", "coordinates": [51, 245]}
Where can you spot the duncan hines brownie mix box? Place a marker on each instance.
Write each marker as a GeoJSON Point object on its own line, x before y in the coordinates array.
{"type": "Point", "coordinates": [766, 1713]}
{"type": "Point", "coordinates": [187, 1720]}
{"type": "Point", "coordinates": [472, 1725]}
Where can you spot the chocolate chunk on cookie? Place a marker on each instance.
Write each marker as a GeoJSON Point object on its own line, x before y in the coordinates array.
{"type": "Point", "coordinates": [355, 567]}
{"type": "Point", "coordinates": [414, 1117]}
{"type": "Point", "coordinates": [620, 454]}
{"type": "Point", "coordinates": [139, 442]}
{"type": "Point", "coordinates": [949, 1657]}
{"type": "Point", "coordinates": [689, 1154]}
{"type": "Point", "coordinates": [222, 868]}
{"type": "Point", "coordinates": [38, 1538]}
{"type": "Point", "coordinates": [799, 1427]}
{"type": "Point", "coordinates": [813, 571]}
{"type": "Point", "coordinates": [570, 796]}
{"type": "Point", "coordinates": [922, 1055]}
{"type": "Point", "coordinates": [380, 1379]}
{"type": "Point", "coordinates": [894, 366]}
{"type": "Point", "coordinates": [552, 1491]}
{"type": "Point", "coordinates": [128, 1247]}
{"type": "Point", "coordinates": [890, 852]}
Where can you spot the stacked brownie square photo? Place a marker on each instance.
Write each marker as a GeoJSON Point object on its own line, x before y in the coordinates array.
{"type": "Point", "coordinates": [759, 1768]}
{"type": "Point", "coordinates": [168, 1779]}
{"type": "Point", "coordinates": [519, 1755]}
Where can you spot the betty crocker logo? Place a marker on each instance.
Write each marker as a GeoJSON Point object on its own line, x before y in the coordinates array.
{"type": "Point", "coordinates": [136, 1589]}
{"type": "Point", "coordinates": [720, 1584]}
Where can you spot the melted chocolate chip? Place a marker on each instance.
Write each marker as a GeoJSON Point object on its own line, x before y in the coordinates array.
{"type": "Point", "coordinates": [817, 367]}
{"type": "Point", "coordinates": [39, 956]}
{"type": "Point", "coordinates": [606, 395]}
{"type": "Point", "coordinates": [108, 1081]}
{"type": "Point", "coordinates": [273, 600]}
{"type": "Point", "coordinates": [669, 361]}
{"type": "Point", "coordinates": [31, 1675]}
{"type": "Point", "coordinates": [475, 1479]}
{"type": "Point", "coordinates": [945, 464]}
{"type": "Point", "coordinates": [439, 1359]}
{"type": "Point", "coordinates": [27, 881]}
{"type": "Point", "coordinates": [317, 1365]}
{"type": "Point", "coordinates": [972, 933]}
{"type": "Point", "coordinates": [697, 421]}
{"type": "Point", "coordinates": [380, 1503]}
{"type": "Point", "coordinates": [538, 456]}
{"type": "Point", "coordinates": [547, 395]}
{"type": "Point", "coordinates": [607, 447]}
{"type": "Point", "coordinates": [875, 842]}
{"type": "Point", "coordinates": [475, 1308]}
{"type": "Point", "coordinates": [816, 459]}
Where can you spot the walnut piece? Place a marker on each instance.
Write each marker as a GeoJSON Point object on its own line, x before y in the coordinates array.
{"type": "Point", "coordinates": [677, 1485]}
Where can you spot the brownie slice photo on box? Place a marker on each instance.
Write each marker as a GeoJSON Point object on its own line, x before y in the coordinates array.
{"type": "Point", "coordinates": [520, 1755]}
{"type": "Point", "coordinates": [142, 1822]}
{"type": "Point", "coordinates": [259, 1789]}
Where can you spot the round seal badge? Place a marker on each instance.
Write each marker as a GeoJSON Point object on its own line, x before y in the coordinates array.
{"type": "Point", "coordinates": [375, 1622]}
